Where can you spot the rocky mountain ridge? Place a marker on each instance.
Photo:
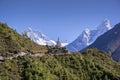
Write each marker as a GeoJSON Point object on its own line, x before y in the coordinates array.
{"type": "Point", "coordinates": [88, 36]}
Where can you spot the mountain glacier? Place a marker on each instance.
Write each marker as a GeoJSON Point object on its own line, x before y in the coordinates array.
{"type": "Point", "coordinates": [88, 36]}
{"type": "Point", "coordinates": [40, 38]}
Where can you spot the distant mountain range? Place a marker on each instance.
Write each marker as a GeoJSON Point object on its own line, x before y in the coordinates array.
{"type": "Point", "coordinates": [40, 38]}
{"type": "Point", "coordinates": [88, 36]}
{"type": "Point", "coordinates": [109, 42]}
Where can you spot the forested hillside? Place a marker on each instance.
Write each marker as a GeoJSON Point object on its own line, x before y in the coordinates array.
{"type": "Point", "coordinates": [90, 65]}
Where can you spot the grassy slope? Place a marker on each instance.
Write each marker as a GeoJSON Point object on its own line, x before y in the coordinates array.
{"type": "Point", "coordinates": [11, 41]}
{"type": "Point", "coordinates": [91, 65]}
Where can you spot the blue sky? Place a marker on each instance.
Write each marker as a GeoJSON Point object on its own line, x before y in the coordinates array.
{"type": "Point", "coordinates": [63, 18]}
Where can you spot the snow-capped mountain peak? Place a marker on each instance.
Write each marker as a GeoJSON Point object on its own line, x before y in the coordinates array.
{"type": "Point", "coordinates": [38, 37]}
{"type": "Point", "coordinates": [107, 23]}
{"type": "Point", "coordinates": [34, 33]}
{"type": "Point", "coordinates": [85, 35]}
{"type": "Point", "coordinates": [104, 25]}
{"type": "Point", "coordinates": [86, 32]}
{"type": "Point", "coordinates": [88, 36]}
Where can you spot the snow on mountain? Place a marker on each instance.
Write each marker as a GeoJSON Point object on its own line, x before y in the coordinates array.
{"type": "Point", "coordinates": [88, 36]}
{"type": "Point", "coordinates": [38, 37]}
{"type": "Point", "coordinates": [64, 44]}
